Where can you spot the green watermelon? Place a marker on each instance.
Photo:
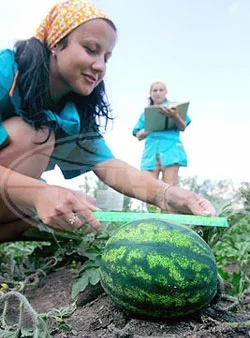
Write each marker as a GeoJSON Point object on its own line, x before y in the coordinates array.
{"type": "Point", "coordinates": [153, 268]}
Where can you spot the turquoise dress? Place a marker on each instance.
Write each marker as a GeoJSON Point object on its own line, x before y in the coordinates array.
{"type": "Point", "coordinates": [165, 146]}
{"type": "Point", "coordinates": [73, 154]}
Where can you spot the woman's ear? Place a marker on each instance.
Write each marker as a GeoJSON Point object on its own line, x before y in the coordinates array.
{"type": "Point", "coordinates": [53, 52]}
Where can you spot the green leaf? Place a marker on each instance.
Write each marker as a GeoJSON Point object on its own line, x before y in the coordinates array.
{"type": "Point", "coordinates": [90, 264]}
{"type": "Point", "coordinates": [79, 286]}
{"type": "Point", "coordinates": [94, 277]}
{"type": "Point", "coordinates": [89, 276]}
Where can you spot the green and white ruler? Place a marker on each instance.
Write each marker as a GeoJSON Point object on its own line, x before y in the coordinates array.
{"type": "Point", "coordinates": [118, 216]}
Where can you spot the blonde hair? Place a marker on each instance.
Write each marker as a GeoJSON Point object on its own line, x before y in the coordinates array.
{"type": "Point", "coordinates": [158, 82]}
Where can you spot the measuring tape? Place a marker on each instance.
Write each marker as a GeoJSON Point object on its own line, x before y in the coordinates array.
{"type": "Point", "coordinates": [118, 216]}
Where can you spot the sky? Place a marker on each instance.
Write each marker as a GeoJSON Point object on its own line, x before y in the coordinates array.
{"type": "Point", "coordinates": [201, 49]}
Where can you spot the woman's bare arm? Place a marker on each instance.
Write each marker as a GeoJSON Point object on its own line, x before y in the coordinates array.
{"type": "Point", "coordinates": [54, 205]}
{"type": "Point", "coordinates": [135, 183]}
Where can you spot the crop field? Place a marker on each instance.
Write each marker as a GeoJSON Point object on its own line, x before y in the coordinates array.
{"type": "Point", "coordinates": [51, 287]}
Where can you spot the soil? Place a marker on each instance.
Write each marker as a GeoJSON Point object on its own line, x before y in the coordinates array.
{"type": "Point", "coordinates": [97, 317]}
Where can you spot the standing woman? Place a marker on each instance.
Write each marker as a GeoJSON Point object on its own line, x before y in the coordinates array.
{"type": "Point", "coordinates": [52, 108]}
{"type": "Point", "coordinates": [163, 152]}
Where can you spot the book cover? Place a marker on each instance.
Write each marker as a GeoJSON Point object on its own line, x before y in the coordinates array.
{"type": "Point", "coordinates": [156, 121]}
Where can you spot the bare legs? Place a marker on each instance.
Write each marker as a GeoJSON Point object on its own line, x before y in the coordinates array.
{"type": "Point", "coordinates": [168, 175]}
{"type": "Point", "coordinates": [24, 155]}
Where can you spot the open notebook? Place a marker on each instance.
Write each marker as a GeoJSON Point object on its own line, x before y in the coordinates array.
{"type": "Point", "coordinates": [156, 121]}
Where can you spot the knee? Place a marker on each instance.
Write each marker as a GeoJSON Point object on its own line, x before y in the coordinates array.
{"type": "Point", "coordinates": [25, 137]}
{"type": "Point", "coordinates": [28, 150]}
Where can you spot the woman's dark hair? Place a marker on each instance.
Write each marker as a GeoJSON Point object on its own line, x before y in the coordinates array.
{"type": "Point", "coordinates": [32, 58]}
{"type": "Point", "coordinates": [150, 101]}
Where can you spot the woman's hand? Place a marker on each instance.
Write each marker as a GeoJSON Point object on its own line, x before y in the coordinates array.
{"type": "Point", "coordinates": [169, 111]}
{"type": "Point", "coordinates": [177, 200]}
{"type": "Point", "coordinates": [141, 134]}
{"type": "Point", "coordinates": [64, 209]}
{"type": "Point", "coordinates": [172, 112]}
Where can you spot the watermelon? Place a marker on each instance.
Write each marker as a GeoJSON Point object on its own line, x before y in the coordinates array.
{"type": "Point", "coordinates": [157, 269]}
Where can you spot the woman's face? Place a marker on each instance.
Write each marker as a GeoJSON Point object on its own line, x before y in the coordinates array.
{"type": "Point", "coordinates": [81, 65]}
{"type": "Point", "coordinates": [158, 93]}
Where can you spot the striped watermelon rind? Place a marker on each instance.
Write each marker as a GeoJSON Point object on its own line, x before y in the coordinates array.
{"type": "Point", "coordinates": [154, 268]}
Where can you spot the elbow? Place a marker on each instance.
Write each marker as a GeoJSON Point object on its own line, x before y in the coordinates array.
{"type": "Point", "coordinates": [183, 127]}
{"type": "Point", "coordinates": [134, 132]}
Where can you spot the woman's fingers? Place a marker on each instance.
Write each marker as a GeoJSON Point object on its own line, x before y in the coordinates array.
{"type": "Point", "coordinates": [63, 209]}
{"type": "Point", "coordinates": [165, 111]}
{"type": "Point", "coordinates": [168, 111]}
{"type": "Point", "coordinates": [86, 216]}
{"type": "Point", "coordinates": [202, 206]}
{"type": "Point", "coordinates": [74, 222]}
{"type": "Point", "coordinates": [182, 201]}
{"type": "Point", "coordinates": [82, 213]}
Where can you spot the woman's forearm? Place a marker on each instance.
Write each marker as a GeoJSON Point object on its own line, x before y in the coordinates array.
{"type": "Point", "coordinates": [134, 183]}
{"type": "Point", "coordinates": [180, 122]}
{"type": "Point", "coordinates": [130, 181]}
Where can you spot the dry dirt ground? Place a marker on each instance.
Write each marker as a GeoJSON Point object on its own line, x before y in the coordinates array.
{"type": "Point", "coordinates": [96, 316]}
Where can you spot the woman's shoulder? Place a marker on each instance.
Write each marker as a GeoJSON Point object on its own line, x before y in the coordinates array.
{"type": "Point", "coordinates": [7, 61]}
{"type": "Point", "coordinates": [8, 67]}
{"type": "Point", "coordinates": [6, 57]}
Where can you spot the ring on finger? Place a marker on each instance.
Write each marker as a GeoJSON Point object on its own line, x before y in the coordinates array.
{"type": "Point", "coordinates": [72, 219]}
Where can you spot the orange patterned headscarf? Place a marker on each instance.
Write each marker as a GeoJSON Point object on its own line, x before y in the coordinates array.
{"type": "Point", "coordinates": [64, 17]}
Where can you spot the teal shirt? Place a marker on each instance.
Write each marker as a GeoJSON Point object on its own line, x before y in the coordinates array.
{"type": "Point", "coordinates": [163, 145]}
{"type": "Point", "coordinates": [75, 154]}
